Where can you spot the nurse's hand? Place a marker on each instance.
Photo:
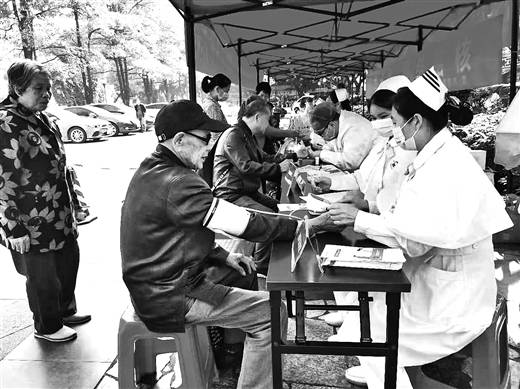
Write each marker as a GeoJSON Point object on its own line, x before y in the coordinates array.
{"type": "Point", "coordinates": [234, 260]}
{"type": "Point", "coordinates": [314, 153]}
{"type": "Point", "coordinates": [343, 214]}
{"type": "Point", "coordinates": [320, 184]}
{"type": "Point", "coordinates": [355, 197]}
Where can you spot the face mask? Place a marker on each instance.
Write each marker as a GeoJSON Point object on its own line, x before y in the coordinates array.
{"type": "Point", "coordinates": [384, 127]}
{"type": "Point", "coordinates": [401, 140]}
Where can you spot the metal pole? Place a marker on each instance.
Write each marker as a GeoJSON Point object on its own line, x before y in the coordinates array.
{"type": "Point", "coordinates": [268, 76]}
{"type": "Point", "coordinates": [239, 48]}
{"type": "Point", "coordinates": [257, 71]}
{"type": "Point", "coordinates": [363, 88]}
{"type": "Point", "coordinates": [189, 34]}
{"type": "Point", "coordinates": [514, 49]}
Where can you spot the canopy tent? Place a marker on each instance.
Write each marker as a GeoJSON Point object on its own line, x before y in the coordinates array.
{"type": "Point", "coordinates": [310, 39]}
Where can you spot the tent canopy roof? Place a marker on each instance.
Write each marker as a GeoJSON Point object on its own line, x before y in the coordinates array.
{"type": "Point", "coordinates": [320, 38]}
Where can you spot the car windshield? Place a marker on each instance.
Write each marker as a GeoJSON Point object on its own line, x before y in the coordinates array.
{"type": "Point", "coordinates": [96, 110]}
{"type": "Point", "coordinates": [62, 114]}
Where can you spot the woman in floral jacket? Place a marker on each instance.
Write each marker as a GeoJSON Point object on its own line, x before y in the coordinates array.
{"type": "Point", "coordinates": [36, 213]}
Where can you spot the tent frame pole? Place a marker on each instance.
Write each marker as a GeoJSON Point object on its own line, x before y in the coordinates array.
{"type": "Point", "coordinates": [239, 52]}
{"type": "Point", "coordinates": [189, 33]}
{"type": "Point", "coordinates": [514, 50]}
{"type": "Point", "coordinates": [257, 71]}
{"type": "Point", "coordinates": [363, 87]}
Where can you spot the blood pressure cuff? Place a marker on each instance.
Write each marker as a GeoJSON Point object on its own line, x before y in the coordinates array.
{"type": "Point", "coordinates": [227, 217]}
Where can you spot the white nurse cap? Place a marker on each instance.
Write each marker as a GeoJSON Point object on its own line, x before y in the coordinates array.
{"type": "Point", "coordinates": [430, 89]}
{"type": "Point", "coordinates": [394, 83]}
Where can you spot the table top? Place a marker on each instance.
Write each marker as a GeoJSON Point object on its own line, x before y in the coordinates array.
{"type": "Point", "coordinates": [307, 276]}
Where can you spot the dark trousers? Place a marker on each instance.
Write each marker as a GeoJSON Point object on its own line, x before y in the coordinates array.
{"type": "Point", "coordinates": [262, 203]}
{"type": "Point", "coordinates": [50, 284]}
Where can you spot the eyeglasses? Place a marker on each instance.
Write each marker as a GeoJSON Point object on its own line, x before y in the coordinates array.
{"type": "Point", "coordinates": [205, 139]}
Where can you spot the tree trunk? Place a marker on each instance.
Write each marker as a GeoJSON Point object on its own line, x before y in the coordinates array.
{"type": "Point", "coordinates": [126, 84]}
{"type": "Point", "coordinates": [119, 78]}
{"type": "Point", "coordinates": [26, 27]}
{"type": "Point", "coordinates": [86, 91]}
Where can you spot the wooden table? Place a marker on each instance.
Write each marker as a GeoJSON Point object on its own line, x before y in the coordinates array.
{"type": "Point", "coordinates": [306, 278]}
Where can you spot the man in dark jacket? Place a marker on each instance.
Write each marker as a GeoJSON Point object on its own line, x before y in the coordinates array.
{"type": "Point", "coordinates": [168, 243]}
{"type": "Point", "coordinates": [240, 166]}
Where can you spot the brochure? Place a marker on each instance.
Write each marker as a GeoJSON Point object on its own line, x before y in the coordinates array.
{"type": "Point", "coordinates": [362, 257]}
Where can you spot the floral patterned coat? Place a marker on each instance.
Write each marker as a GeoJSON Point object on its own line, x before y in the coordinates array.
{"type": "Point", "coordinates": [35, 196]}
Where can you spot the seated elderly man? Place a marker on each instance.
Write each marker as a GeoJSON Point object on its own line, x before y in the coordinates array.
{"type": "Point", "coordinates": [168, 243]}
{"type": "Point", "coordinates": [354, 139]}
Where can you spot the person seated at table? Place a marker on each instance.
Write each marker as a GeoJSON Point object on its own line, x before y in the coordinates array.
{"type": "Point", "coordinates": [355, 136]}
{"type": "Point", "coordinates": [272, 133]}
{"type": "Point", "coordinates": [175, 273]}
{"type": "Point", "coordinates": [240, 166]}
{"type": "Point", "coordinates": [374, 185]}
{"type": "Point", "coordinates": [443, 218]}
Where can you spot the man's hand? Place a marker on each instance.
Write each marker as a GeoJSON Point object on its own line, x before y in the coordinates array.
{"type": "Point", "coordinates": [233, 260]}
{"type": "Point", "coordinates": [20, 245]}
{"type": "Point", "coordinates": [320, 184]}
{"type": "Point", "coordinates": [343, 214]}
{"type": "Point", "coordinates": [303, 133]}
{"type": "Point", "coordinates": [322, 222]}
{"type": "Point", "coordinates": [81, 214]}
{"type": "Point", "coordinates": [357, 198]}
{"type": "Point", "coordinates": [284, 165]}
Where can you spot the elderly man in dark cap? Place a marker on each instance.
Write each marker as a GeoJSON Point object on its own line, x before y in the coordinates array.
{"type": "Point", "coordinates": [168, 243]}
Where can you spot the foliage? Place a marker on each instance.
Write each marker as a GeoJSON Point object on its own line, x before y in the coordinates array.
{"type": "Point", "coordinates": [89, 44]}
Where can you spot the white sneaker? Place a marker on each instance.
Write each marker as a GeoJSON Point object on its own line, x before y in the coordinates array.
{"type": "Point", "coordinates": [334, 319]}
{"type": "Point", "coordinates": [64, 334]}
{"type": "Point", "coordinates": [356, 375]}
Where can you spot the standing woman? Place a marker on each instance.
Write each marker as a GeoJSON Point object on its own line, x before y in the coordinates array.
{"type": "Point", "coordinates": [443, 218]}
{"type": "Point", "coordinates": [37, 217]}
{"type": "Point", "coordinates": [216, 89]}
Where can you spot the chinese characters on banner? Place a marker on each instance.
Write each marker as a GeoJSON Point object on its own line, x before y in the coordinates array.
{"type": "Point", "coordinates": [469, 58]}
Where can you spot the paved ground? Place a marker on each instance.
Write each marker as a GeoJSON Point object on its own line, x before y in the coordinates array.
{"type": "Point", "coordinates": [105, 169]}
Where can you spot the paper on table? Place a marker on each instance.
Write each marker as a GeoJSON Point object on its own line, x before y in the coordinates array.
{"type": "Point", "coordinates": [314, 204]}
{"type": "Point", "coordinates": [363, 257]}
{"type": "Point", "coordinates": [291, 207]}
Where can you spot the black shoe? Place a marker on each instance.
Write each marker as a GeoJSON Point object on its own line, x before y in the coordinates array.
{"type": "Point", "coordinates": [76, 319]}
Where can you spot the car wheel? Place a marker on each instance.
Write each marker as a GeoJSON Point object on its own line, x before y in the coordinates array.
{"type": "Point", "coordinates": [115, 128]}
{"type": "Point", "coordinates": [77, 135]}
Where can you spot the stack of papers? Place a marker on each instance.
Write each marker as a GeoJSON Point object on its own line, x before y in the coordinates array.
{"type": "Point", "coordinates": [362, 257]}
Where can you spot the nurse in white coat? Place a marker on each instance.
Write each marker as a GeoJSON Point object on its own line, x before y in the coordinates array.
{"type": "Point", "coordinates": [375, 184]}
{"type": "Point", "coordinates": [443, 220]}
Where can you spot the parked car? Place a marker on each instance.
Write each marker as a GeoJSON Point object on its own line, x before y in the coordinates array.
{"type": "Point", "coordinates": [154, 108]}
{"type": "Point", "coordinates": [79, 129]}
{"type": "Point", "coordinates": [120, 124]}
{"type": "Point", "coordinates": [296, 104]}
{"type": "Point", "coordinates": [129, 112]}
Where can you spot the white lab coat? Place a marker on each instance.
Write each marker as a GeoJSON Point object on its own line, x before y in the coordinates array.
{"type": "Point", "coordinates": [353, 143]}
{"type": "Point", "coordinates": [380, 175]}
{"type": "Point", "coordinates": [443, 220]}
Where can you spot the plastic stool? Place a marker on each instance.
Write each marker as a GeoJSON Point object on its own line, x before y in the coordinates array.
{"type": "Point", "coordinates": [490, 352]}
{"type": "Point", "coordinates": [138, 348]}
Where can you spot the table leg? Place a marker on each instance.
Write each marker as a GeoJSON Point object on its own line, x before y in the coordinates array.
{"type": "Point", "coordinates": [364, 317]}
{"type": "Point", "coordinates": [275, 299]}
{"type": "Point", "coordinates": [300, 317]}
{"type": "Point", "coordinates": [393, 304]}
{"type": "Point", "coordinates": [289, 299]}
